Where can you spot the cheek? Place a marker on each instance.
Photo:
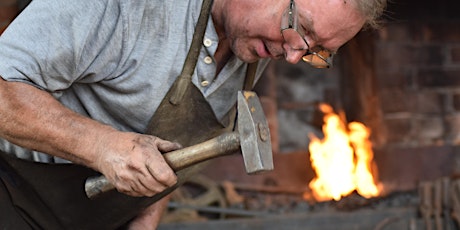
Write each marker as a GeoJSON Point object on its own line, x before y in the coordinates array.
{"type": "Point", "coordinates": [249, 27]}
{"type": "Point", "coordinates": [240, 46]}
{"type": "Point", "coordinates": [243, 49]}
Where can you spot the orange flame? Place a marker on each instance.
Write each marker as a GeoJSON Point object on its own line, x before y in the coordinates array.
{"type": "Point", "coordinates": [342, 160]}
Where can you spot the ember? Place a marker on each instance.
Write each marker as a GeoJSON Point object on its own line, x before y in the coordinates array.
{"type": "Point", "coordinates": [342, 160]}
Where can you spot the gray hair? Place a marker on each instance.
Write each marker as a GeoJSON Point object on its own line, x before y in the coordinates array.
{"type": "Point", "coordinates": [372, 10]}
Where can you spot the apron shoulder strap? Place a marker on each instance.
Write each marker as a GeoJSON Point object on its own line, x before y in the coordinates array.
{"type": "Point", "coordinates": [185, 78]}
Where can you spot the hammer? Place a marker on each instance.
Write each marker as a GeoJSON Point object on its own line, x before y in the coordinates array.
{"type": "Point", "coordinates": [252, 138]}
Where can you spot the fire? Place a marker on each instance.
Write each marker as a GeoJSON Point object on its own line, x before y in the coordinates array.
{"type": "Point", "coordinates": [342, 160]}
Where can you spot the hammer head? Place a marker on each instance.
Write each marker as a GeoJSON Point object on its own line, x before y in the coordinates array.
{"type": "Point", "coordinates": [254, 134]}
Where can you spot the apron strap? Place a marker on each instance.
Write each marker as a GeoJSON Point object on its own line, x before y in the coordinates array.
{"type": "Point", "coordinates": [185, 78]}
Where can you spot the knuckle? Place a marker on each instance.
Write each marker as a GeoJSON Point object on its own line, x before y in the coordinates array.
{"type": "Point", "coordinates": [169, 180]}
{"type": "Point", "coordinates": [165, 177]}
{"type": "Point", "coordinates": [123, 189]}
{"type": "Point", "coordinates": [123, 176]}
{"type": "Point", "coordinates": [174, 180]}
{"type": "Point", "coordinates": [162, 177]}
{"type": "Point", "coordinates": [159, 189]}
{"type": "Point", "coordinates": [151, 139]}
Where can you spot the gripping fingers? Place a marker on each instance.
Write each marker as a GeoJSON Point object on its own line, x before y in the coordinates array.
{"type": "Point", "coordinates": [154, 178]}
{"type": "Point", "coordinates": [162, 173]}
{"type": "Point", "coordinates": [145, 185]}
{"type": "Point", "coordinates": [167, 146]}
{"type": "Point", "coordinates": [145, 172]}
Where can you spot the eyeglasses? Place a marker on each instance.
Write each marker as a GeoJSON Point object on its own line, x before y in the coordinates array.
{"type": "Point", "coordinates": [294, 36]}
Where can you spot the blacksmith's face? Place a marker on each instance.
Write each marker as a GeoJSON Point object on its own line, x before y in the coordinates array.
{"type": "Point", "coordinates": [253, 26]}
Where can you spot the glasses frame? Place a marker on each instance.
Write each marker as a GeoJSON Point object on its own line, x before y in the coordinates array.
{"type": "Point", "coordinates": [290, 22]}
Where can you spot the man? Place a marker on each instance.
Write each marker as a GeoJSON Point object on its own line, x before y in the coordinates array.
{"type": "Point", "coordinates": [80, 80]}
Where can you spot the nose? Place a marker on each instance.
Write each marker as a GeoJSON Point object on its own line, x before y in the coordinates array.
{"type": "Point", "coordinates": [291, 55]}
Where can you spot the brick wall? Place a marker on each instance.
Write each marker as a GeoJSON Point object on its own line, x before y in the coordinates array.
{"type": "Point", "coordinates": [418, 72]}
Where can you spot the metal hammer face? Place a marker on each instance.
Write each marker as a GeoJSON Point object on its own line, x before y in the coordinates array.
{"type": "Point", "coordinates": [254, 134]}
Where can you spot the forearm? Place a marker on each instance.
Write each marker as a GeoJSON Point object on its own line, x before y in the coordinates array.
{"type": "Point", "coordinates": [32, 118]}
{"type": "Point", "coordinates": [151, 216]}
{"type": "Point", "coordinates": [133, 162]}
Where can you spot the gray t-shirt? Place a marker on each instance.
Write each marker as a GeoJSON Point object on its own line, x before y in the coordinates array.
{"type": "Point", "coordinates": [113, 60]}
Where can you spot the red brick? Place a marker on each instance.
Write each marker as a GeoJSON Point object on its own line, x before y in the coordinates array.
{"type": "Point", "coordinates": [445, 31]}
{"type": "Point", "coordinates": [401, 78]}
{"type": "Point", "coordinates": [428, 102]}
{"type": "Point", "coordinates": [456, 102]}
{"type": "Point", "coordinates": [455, 54]}
{"type": "Point", "coordinates": [391, 56]}
{"type": "Point", "coordinates": [421, 32]}
{"type": "Point", "coordinates": [397, 56]}
{"type": "Point", "coordinates": [428, 55]}
{"type": "Point", "coordinates": [398, 129]}
{"type": "Point", "coordinates": [453, 128]}
{"type": "Point", "coordinates": [393, 32]}
{"type": "Point", "coordinates": [396, 100]}
{"type": "Point", "coordinates": [405, 33]}
{"type": "Point", "coordinates": [439, 78]}
{"type": "Point", "coordinates": [427, 129]}
{"type": "Point", "coordinates": [399, 100]}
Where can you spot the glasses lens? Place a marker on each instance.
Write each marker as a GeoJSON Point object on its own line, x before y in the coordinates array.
{"type": "Point", "coordinates": [321, 59]}
{"type": "Point", "coordinates": [294, 39]}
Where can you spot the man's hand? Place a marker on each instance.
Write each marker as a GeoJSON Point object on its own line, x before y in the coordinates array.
{"type": "Point", "coordinates": [134, 164]}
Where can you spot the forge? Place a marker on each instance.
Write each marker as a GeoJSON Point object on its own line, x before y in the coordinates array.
{"type": "Point", "coordinates": [419, 190]}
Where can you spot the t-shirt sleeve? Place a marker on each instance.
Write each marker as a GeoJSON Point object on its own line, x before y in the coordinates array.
{"type": "Point", "coordinates": [54, 43]}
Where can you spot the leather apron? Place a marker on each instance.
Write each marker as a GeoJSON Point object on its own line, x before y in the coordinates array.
{"type": "Point", "coordinates": [51, 196]}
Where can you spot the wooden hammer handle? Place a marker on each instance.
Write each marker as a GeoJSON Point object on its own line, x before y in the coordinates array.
{"type": "Point", "coordinates": [221, 145]}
